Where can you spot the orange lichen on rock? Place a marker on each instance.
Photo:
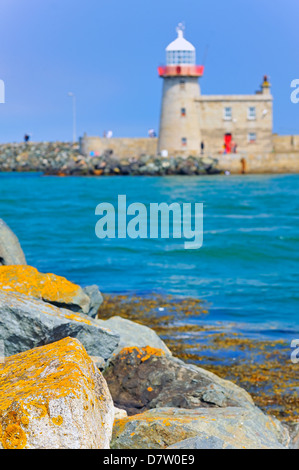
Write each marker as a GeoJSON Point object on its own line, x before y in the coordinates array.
{"type": "Point", "coordinates": [151, 352]}
{"type": "Point", "coordinates": [58, 420]}
{"type": "Point", "coordinates": [25, 420]}
{"type": "Point", "coordinates": [77, 317]}
{"type": "Point", "coordinates": [236, 427]}
{"type": "Point", "coordinates": [143, 353]}
{"type": "Point", "coordinates": [14, 437]}
{"type": "Point", "coordinates": [49, 287]}
{"type": "Point", "coordinates": [36, 380]}
{"type": "Point", "coordinates": [50, 370]}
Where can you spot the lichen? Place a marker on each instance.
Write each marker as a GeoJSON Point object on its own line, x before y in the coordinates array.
{"type": "Point", "coordinates": [30, 380]}
{"type": "Point", "coordinates": [14, 437]}
{"type": "Point", "coordinates": [142, 353]}
{"type": "Point", "coordinates": [58, 420]}
{"type": "Point", "coordinates": [28, 281]}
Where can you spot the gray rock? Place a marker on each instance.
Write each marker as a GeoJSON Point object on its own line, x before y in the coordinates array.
{"type": "Point", "coordinates": [204, 441]}
{"type": "Point", "coordinates": [231, 427]}
{"type": "Point", "coordinates": [134, 334]}
{"type": "Point", "coordinates": [143, 378]}
{"type": "Point", "coordinates": [26, 323]}
{"type": "Point", "coordinates": [11, 252]}
{"type": "Point", "coordinates": [96, 300]}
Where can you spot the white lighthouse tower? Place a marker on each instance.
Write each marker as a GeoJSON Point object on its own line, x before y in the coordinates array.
{"type": "Point", "coordinates": [179, 123]}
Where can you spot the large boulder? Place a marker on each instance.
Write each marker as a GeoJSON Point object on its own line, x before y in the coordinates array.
{"type": "Point", "coordinates": [53, 397]}
{"type": "Point", "coordinates": [11, 252]}
{"type": "Point", "coordinates": [232, 427]}
{"type": "Point", "coordinates": [96, 299]}
{"type": "Point", "coordinates": [26, 323]}
{"type": "Point", "coordinates": [134, 334]}
{"type": "Point", "coordinates": [143, 378]}
{"type": "Point", "coordinates": [51, 288]}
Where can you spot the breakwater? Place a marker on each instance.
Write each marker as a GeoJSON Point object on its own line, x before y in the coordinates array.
{"type": "Point", "coordinates": [66, 159]}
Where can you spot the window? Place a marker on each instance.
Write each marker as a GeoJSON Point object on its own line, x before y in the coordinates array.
{"type": "Point", "coordinates": [251, 112]}
{"type": "Point", "coordinates": [183, 112]}
{"type": "Point", "coordinates": [184, 141]}
{"type": "Point", "coordinates": [180, 57]}
{"type": "Point", "coordinates": [228, 113]}
{"type": "Point", "coordinates": [252, 137]}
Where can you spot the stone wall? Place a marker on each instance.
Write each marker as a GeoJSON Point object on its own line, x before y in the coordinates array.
{"type": "Point", "coordinates": [133, 147]}
{"type": "Point", "coordinates": [286, 143]}
{"type": "Point", "coordinates": [260, 163]}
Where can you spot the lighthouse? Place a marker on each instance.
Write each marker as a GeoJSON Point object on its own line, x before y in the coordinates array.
{"type": "Point", "coordinates": [179, 122]}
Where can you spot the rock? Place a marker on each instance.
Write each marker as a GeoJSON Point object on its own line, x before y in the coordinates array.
{"type": "Point", "coordinates": [53, 397]}
{"type": "Point", "coordinates": [99, 362]}
{"type": "Point", "coordinates": [203, 441]}
{"type": "Point", "coordinates": [11, 252]}
{"type": "Point", "coordinates": [238, 428]}
{"type": "Point", "coordinates": [96, 299]}
{"type": "Point", "coordinates": [26, 323]}
{"type": "Point", "coordinates": [119, 414]}
{"type": "Point", "coordinates": [293, 428]}
{"type": "Point", "coordinates": [51, 288]}
{"type": "Point", "coordinates": [143, 378]}
{"type": "Point", "coordinates": [208, 161]}
{"type": "Point", "coordinates": [134, 334]}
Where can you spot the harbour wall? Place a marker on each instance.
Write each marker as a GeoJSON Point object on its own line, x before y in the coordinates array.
{"type": "Point", "coordinates": [283, 159]}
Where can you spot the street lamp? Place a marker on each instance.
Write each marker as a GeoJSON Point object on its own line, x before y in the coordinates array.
{"type": "Point", "coordinates": [74, 116]}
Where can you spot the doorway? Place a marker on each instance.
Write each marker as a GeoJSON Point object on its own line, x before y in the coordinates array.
{"type": "Point", "coordinates": [227, 142]}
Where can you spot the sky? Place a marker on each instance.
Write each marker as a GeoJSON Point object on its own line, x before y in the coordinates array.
{"type": "Point", "coordinates": [107, 53]}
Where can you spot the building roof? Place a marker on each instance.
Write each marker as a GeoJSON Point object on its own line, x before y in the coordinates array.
{"type": "Point", "coordinates": [180, 43]}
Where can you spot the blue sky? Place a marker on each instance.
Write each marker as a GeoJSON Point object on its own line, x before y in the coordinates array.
{"type": "Point", "coordinates": [108, 53]}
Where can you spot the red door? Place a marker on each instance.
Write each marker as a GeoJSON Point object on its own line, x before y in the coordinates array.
{"type": "Point", "coordinates": [228, 142]}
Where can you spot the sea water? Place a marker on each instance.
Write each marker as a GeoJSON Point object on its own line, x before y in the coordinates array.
{"type": "Point", "coordinates": [246, 270]}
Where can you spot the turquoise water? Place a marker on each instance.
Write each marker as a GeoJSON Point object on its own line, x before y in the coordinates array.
{"type": "Point", "coordinates": [247, 269]}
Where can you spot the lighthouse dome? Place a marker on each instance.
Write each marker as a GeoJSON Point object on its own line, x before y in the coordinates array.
{"type": "Point", "coordinates": [180, 51]}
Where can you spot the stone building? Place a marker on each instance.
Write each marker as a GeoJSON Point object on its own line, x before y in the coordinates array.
{"type": "Point", "coordinates": [191, 123]}
{"type": "Point", "coordinates": [237, 130]}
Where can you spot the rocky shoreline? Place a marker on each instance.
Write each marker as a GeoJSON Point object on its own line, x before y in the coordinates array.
{"type": "Point", "coordinates": [70, 379]}
{"type": "Point", "coordinates": [254, 360]}
{"type": "Point", "coordinates": [64, 159]}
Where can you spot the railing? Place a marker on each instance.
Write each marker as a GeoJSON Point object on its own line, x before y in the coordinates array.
{"type": "Point", "coordinates": [181, 71]}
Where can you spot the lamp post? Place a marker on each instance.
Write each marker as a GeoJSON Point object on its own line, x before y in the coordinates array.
{"type": "Point", "coordinates": [74, 116]}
